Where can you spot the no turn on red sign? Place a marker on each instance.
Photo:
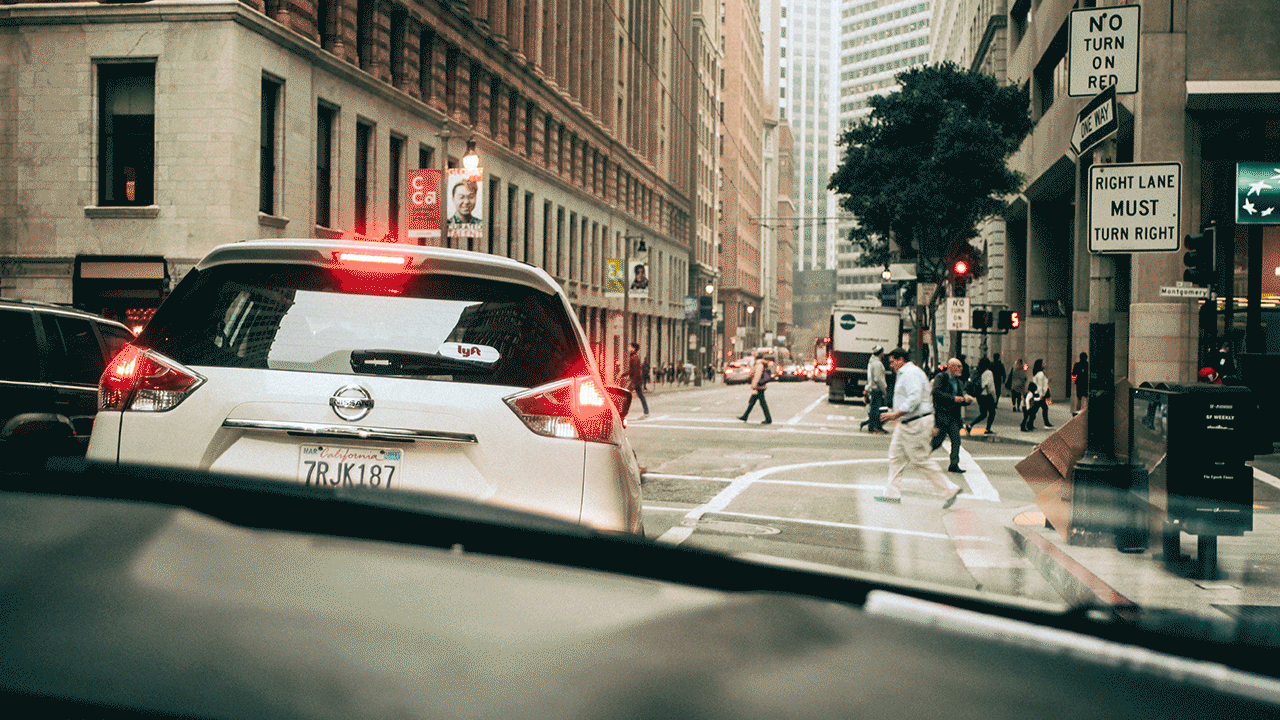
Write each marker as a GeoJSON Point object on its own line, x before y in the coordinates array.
{"type": "Point", "coordinates": [1103, 50]}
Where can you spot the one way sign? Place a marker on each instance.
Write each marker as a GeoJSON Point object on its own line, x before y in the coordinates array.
{"type": "Point", "coordinates": [1096, 122]}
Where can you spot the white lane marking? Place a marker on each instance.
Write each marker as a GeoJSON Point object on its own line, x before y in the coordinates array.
{"type": "Point", "coordinates": [662, 476]}
{"type": "Point", "coordinates": [795, 420]}
{"type": "Point", "coordinates": [977, 480]}
{"type": "Point", "coordinates": [663, 508]}
{"type": "Point", "coordinates": [717, 504]}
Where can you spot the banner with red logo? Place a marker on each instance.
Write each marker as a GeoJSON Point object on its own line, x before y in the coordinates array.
{"type": "Point", "coordinates": [423, 214]}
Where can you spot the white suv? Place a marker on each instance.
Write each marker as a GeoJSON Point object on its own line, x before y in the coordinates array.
{"type": "Point", "coordinates": [380, 367]}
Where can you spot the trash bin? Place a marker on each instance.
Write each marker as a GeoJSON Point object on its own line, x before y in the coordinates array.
{"type": "Point", "coordinates": [1191, 442]}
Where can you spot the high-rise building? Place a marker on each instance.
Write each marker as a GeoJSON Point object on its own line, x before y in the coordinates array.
{"type": "Point", "coordinates": [878, 40]}
{"type": "Point", "coordinates": [742, 117]}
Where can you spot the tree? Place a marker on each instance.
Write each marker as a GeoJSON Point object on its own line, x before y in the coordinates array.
{"type": "Point", "coordinates": [927, 166]}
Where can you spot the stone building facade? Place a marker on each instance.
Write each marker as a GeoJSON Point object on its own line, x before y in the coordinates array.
{"type": "Point", "coordinates": [134, 137]}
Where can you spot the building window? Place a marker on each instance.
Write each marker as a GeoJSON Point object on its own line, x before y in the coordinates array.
{"type": "Point", "coordinates": [324, 164]}
{"type": "Point", "coordinates": [364, 138]}
{"type": "Point", "coordinates": [326, 23]}
{"type": "Point", "coordinates": [267, 142]}
{"type": "Point", "coordinates": [126, 133]}
{"type": "Point", "coordinates": [396, 30]}
{"type": "Point", "coordinates": [395, 158]}
{"type": "Point", "coordinates": [424, 63]}
{"type": "Point", "coordinates": [364, 32]}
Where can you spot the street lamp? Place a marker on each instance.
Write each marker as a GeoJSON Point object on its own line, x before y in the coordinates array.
{"type": "Point", "coordinates": [626, 286]}
{"type": "Point", "coordinates": [444, 185]}
{"type": "Point", "coordinates": [470, 160]}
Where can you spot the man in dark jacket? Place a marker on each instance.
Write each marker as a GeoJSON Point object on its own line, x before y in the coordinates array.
{"type": "Point", "coordinates": [949, 400]}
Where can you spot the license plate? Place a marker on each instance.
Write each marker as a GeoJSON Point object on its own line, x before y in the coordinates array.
{"type": "Point", "coordinates": [333, 466]}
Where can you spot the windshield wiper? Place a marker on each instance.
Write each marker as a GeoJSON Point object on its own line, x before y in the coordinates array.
{"type": "Point", "coordinates": [404, 362]}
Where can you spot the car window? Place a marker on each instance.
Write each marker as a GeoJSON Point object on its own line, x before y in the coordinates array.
{"type": "Point", "coordinates": [22, 362]}
{"type": "Point", "coordinates": [74, 353]}
{"type": "Point", "coordinates": [303, 319]}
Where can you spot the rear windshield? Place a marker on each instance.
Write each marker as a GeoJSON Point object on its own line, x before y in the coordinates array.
{"type": "Point", "coordinates": [300, 318]}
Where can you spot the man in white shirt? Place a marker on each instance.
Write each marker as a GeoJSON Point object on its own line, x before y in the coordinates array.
{"type": "Point", "coordinates": [913, 410]}
{"type": "Point", "coordinates": [877, 386]}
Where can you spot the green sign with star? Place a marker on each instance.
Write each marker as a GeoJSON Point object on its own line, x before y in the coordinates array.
{"type": "Point", "coordinates": [1258, 193]}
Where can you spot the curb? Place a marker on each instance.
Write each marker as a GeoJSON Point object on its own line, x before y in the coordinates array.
{"type": "Point", "coordinates": [1073, 581]}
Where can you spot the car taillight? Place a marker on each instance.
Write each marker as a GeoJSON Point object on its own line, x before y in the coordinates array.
{"type": "Point", "coordinates": [138, 379]}
{"type": "Point", "coordinates": [574, 409]}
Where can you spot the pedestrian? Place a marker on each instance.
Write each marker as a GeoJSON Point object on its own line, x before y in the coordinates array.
{"type": "Point", "coordinates": [1041, 380]}
{"type": "Point", "coordinates": [877, 386]}
{"type": "Point", "coordinates": [964, 368]}
{"type": "Point", "coordinates": [761, 374]}
{"type": "Point", "coordinates": [912, 407]}
{"type": "Point", "coordinates": [1080, 376]}
{"type": "Point", "coordinates": [1017, 384]}
{"type": "Point", "coordinates": [635, 378]}
{"type": "Point", "coordinates": [986, 396]}
{"type": "Point", "coordinates": [1030, 403]}
{"type": "Point", "coordinates": [998, 374]}
{"type": "Point", "coordinates": [645, 369]}
{"type": "Point", "coordinates": [949, 400]}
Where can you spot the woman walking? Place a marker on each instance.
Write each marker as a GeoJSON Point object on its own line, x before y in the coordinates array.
{"type": "Point", "coordinates": [986, 396]}
{"type": "Point", "coordinates": [1017, 384]}
{"type": "Point", "coordinates": [1042, 388]}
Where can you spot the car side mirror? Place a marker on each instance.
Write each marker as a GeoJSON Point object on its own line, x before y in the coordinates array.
{"type": "Point", "coordinates": [621, 399]}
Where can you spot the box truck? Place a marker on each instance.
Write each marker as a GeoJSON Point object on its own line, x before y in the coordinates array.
{"type": "Point", "coordinates": [852, 334]}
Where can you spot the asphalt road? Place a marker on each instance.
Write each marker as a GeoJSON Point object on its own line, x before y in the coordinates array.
{"type": "Point", "coordinates": [801, 489]}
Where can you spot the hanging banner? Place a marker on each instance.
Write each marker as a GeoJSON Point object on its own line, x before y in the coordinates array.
{"type": "Point", "coordinates": [639, 276]}
{"type": "Point", "coordinates": [615, 279]}
{"type": "Point", "coordinates": [466, 197]}
{"type": "Point", "coordinates": [422, 217]}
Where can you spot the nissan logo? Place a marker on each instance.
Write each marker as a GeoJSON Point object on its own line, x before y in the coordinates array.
{"type": "Point", "coordinates": [351, 402]}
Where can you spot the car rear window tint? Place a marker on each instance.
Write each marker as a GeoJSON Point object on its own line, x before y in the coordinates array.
{"type": "Point", "coordinates": [22, 360]}
{"type": "Point", "coordinates": [299, 318]}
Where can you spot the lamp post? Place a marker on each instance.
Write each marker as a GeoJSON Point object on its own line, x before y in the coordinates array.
{"type": "Point", "coordinates": [444, 185]}
{"type": "Point", "coordinates": [626, 287]}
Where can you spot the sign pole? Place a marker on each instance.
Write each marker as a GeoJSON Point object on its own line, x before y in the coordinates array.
{"type": "Point", "coordinates": [1100, 483]}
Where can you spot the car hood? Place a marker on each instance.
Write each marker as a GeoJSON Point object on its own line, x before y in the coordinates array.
{"type": "Point", "coordinates": [142, 605]}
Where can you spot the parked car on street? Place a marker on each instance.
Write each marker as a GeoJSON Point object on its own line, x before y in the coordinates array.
{"type": "Point", "coordinates": [327, 363]}
{"type": "Point", "coordinates": [49, 377]}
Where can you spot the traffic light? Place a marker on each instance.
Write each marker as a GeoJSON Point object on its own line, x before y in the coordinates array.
{"type": "Point", "coordinates": [1199, 258]}
{"type": "Point", "coordinates": [1008, 320]}
{"type": "Point", "coordinates": [983, 319]}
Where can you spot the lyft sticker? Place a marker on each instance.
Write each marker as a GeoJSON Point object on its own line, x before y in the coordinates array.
{"type": "Point", "coordinates": [467, 351]}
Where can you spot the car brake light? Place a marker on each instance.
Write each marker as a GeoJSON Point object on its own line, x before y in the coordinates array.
{"type": "Point", "coordinates": [138, 379]}
{"type": "Point", "coordinates": [574, 409]}
{"type": "Point", "coordinates": [371, 272]}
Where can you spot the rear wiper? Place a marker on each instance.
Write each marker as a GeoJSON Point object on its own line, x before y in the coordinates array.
{"type": "Point", "coordinates": [402, 362]}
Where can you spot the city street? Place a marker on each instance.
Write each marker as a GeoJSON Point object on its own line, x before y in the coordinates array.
{"type": "Point", "coordinates": [801, 489]}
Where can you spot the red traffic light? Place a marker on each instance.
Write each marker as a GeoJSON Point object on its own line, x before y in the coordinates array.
{"type": "Point", "coordinates": [960, 269]}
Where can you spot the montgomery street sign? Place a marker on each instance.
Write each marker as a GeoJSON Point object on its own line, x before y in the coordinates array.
{"type": "Point", "coordinates": [1096, 122]}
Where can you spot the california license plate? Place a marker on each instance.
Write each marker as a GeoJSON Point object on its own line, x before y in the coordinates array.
{"type": "Point", "coordinates": [333, 466]}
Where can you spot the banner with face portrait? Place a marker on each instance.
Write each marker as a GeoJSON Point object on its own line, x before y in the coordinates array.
{"type": "Point", "coordinates": [465, 200]}
{"type": "Point", "coordinates": [638, 279]}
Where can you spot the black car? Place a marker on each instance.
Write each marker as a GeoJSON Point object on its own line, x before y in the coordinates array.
{"type": "Point", "coordinates": [49, 374]}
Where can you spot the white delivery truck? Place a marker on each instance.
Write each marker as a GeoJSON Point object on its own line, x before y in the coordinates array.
{"type": "Point", "coordinates": [853, 332]}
